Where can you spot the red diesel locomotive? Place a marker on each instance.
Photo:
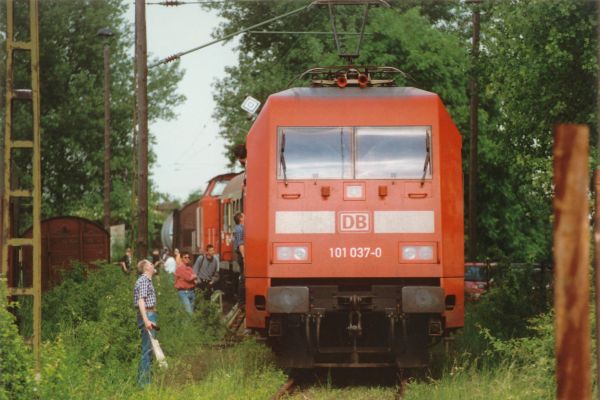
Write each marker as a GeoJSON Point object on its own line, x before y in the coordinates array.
{"type": "Point", "coordinates": [354, 226]}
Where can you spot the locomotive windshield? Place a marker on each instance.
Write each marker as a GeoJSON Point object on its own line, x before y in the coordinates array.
{"type": "Point", "coordinates": [218, 188]}
{"type": "Point", "coordinates": [315, 153]}
{"type": "Point", "coordinates": [397, 152]}
{"type": "Point", "coordinates": [354, 153]}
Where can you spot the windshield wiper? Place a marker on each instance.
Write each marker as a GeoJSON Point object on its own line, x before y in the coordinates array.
{"type": "Point", "coordinates": [282, 159]}
{"type": "Point", "coordinates": [427, 157]}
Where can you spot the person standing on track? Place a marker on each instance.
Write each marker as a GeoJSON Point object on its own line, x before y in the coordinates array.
{"type": "Point", "coordinates": [238, 246]}
{"type": "Point", "coordinates": [206, 269]}
{"type": "Point", "coordinates": [185, 282]}
{"type": "Point", "coordinates": [144, 300]}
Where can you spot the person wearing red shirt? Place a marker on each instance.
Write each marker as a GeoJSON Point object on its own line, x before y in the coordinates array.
{"type": "Point", "coordinates": [185, 282]}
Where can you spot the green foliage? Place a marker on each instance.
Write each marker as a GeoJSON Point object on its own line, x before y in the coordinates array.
{"type": "Point", "coordinates": [517, 293]}
{"type": "Point", "coordinates": [533, 351]}
{"type": "Point", "coordinates": [484, 383]}
{"type": "Point", "coordinates": [15, 358]}
{"type": "Point", "coordinates": [54, 370]}
{"type": "Point", "coordinates": [72, 113]}
{"type": "Point", "coordinates": [80, 298]}
{"type": "Point", "coordinates": [538, 68]}
{"type": "Point", "coordinates": [92, 339]}
{"type": "Point", "coordinates": [432, 59]}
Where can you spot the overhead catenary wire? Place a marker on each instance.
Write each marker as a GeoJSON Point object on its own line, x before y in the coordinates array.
{"type": "Point", "coordinates": [305, 33]}
{"type": "Point", "coordinates": [176, 3]}
{"type": "Point", "coordinates": [231, 35]}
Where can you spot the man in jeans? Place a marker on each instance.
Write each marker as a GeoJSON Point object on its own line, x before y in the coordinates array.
{"type": "Point", "coordinates": [206, 269]}
{"type": "Point", "coordinates": [144, 299]}
{"type": "Point", "coordinates": [185, 282]}
{"type": "Point", "coordinates": [238, 246]}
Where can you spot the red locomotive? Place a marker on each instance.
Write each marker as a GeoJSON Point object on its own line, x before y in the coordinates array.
{"type": "Point", "coordinates": [198, 223]}
{"type": "Point", "coordinates": [231, 202]}
{"type": "Point", "coordinates": [354, 225]}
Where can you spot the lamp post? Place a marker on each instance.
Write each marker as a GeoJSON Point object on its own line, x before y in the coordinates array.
{"type": "Point", "coordinates": [105, 34]}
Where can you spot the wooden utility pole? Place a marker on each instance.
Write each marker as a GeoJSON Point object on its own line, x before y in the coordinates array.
{"type": "Point", "coordinates": [474, 106]}
{"type": "Point", "coordinates": [597, 209]}
{"type": "Point", "coordinates": [106, 34]}
{"type": "Point", "coordinates": [141, 53]}
{"type": "Point", "coordinates": [571, 262]}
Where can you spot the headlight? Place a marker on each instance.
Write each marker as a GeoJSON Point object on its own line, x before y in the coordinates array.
{"type": "Point", "coordinates": [417, 253]}
{"type": "Point", "coordinates": [291, 253]}
{"type": "Point", "coordinates": [300, 253]}
{"type": "Point", "coordinates": [409, 253]}
{"type": "Point", "coordinates": [284, 253]}
{"type": "Point", "coordinates": [425, 252]}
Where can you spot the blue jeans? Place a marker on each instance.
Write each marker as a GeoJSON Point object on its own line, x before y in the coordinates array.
{"type": "Point", "coordinates": [146, 360]}
{"type": "Point", "coordinates": [188, 297]}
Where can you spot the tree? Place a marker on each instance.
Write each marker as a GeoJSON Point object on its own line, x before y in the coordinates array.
{"type": "Point", "coordinates": [71, 65]}
{"type": "Point", "coordinates": [433, 59]}
{"type": "Point", "coordinates": [539, 66]}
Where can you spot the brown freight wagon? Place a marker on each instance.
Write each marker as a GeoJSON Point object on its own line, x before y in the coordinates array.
{"type": "Point", "coordinates": [64, 240]}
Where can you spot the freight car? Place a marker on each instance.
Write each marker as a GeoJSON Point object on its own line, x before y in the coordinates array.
{"type": "Point", "coordinates": [64, 240]}
{"type": "Point", "coordinates": [354, 225]}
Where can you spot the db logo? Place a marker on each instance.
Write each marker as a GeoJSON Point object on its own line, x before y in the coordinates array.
{"type": "Point", "coordinates": [354, 222]}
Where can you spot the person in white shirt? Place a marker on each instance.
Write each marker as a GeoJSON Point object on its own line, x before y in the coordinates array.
{"type": "Point", "coordinates": [170, 264]}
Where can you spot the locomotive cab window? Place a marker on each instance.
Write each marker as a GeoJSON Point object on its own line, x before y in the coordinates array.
{"type": "Point", "coordinates": [315, 153]}
{"type": "Point", "coordinates": [393, 152]}
{"type": "Point", "coordinates": [401, 152]}
{"type": "Point", "coordinates": [218, 188]}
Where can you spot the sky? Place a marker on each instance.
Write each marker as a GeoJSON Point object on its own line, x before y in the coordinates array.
{"type": "Point", "coordinates": [189, 149]}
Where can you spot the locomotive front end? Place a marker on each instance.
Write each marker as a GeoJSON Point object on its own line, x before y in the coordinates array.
{"type": "Point", "coordinates": [354, 226]}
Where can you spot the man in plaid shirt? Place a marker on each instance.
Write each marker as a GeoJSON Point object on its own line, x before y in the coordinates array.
{"type": "Point", "coordinates": [144, 300]}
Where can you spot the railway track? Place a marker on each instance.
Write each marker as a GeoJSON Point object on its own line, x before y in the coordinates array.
{"type": "Point", "coordinates": [401, 384]}
{"type": "Point", "coordinates": [285, 389]}
{"type": "Point", "coordinates": [305, 384]}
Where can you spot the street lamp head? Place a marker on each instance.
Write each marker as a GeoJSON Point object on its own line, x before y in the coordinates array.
{"type": "Point", "coordinates": [104, 32]}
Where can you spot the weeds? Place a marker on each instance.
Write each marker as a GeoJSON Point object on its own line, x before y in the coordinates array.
{"type": "Point", "coordinates": [91, 349]}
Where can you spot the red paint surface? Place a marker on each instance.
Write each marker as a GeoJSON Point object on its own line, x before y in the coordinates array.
{"type": "Point", "coordinates": [266, 194]}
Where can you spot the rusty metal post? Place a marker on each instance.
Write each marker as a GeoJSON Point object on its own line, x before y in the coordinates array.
{"type": "Point", "coordinates": [597, 272]}
{"type": "Point", "coordinates": [571, 260]}
{"type": "Point", "coordinates": [141, 53]}
{"type": "Point", "coordinates": [597, 214]}
{"type": "Point", "coordinates": [473, 127]}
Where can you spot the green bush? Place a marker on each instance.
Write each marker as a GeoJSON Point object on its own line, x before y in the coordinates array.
{"type": "Point", "coordinates": [534, 351]}
{"type": "Point", "coordinates": [517, 294]}
{"type": "Point", "coordinates": [79, 297]}
{"type": "Point", "coordinates": [15, 357]}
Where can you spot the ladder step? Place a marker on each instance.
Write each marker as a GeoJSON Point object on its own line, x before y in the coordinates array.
{"type": "Point", "coordinates": [21, 144]}
{"type": "Point", "coordinates": [20, 193]}
{"type": "Point", "coordinates": [20, 291]}
{"type": "Point", "coordinates": [19, 45]}
{"type": "Point", "coordinates": [20, 242]}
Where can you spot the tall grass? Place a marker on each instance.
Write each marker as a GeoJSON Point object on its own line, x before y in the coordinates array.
{"type": "Point", "coordinates": [91, 349]}
{"type": "Point", "coordinates": [92, 345]}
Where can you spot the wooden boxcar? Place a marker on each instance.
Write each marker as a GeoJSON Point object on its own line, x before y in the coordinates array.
{"type": "Point", "coordinates": [64, 240]}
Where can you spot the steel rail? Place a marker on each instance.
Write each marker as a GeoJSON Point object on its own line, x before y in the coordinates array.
{"type": "Point", "coordinates": [285, 389]}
